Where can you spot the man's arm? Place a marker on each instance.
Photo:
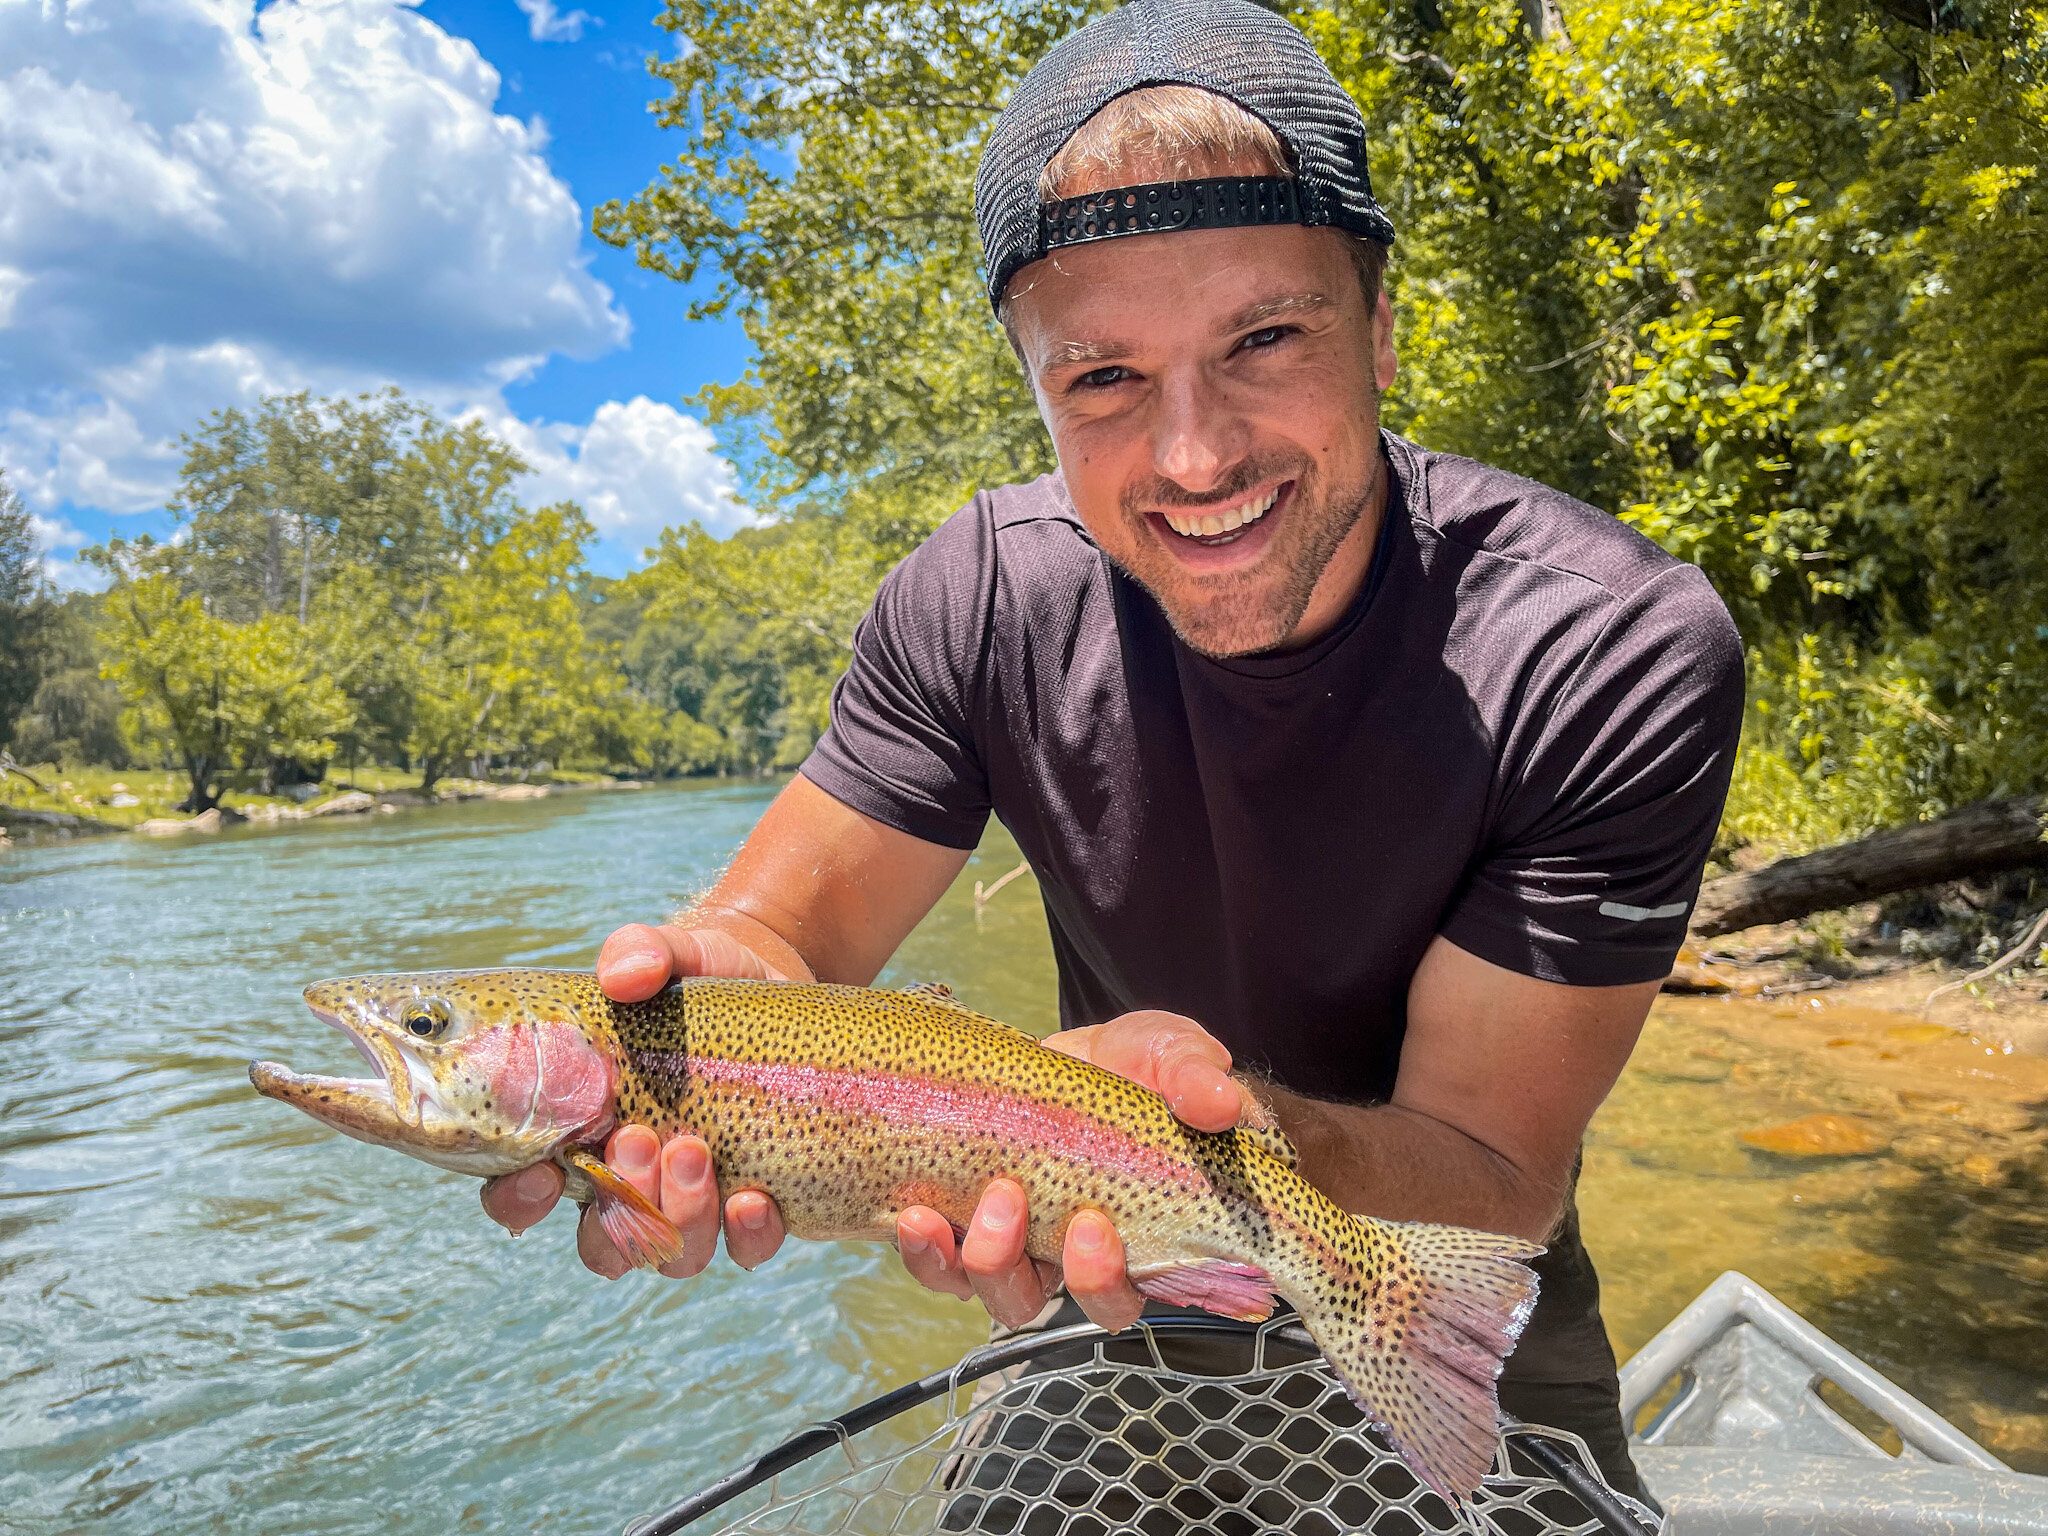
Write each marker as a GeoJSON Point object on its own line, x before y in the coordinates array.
{"type": "Point", "coordinates": [1500, 1074]}
{"type": "Point", "coordinates": [818, 892]}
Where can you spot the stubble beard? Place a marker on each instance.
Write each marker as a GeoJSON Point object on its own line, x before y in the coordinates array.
{"type": "Point", "coordinates": [1247, 612]}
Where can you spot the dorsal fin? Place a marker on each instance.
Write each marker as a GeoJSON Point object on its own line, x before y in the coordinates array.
{"type": "Point", "coordinates": [939, 992]}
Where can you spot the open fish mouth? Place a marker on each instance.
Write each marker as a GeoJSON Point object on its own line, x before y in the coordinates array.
{"type": "Point", "coordinates": [380, 1109]}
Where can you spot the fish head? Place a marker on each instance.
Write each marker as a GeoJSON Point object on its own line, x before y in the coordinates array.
{"type": "Point", "coordinates": [481, 1072]}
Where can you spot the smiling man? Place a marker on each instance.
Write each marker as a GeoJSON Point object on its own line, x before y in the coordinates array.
{"type": "Point", "coordinates": [1382, 775]}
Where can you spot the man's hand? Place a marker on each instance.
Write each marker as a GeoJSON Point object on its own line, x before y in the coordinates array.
{"type": "Point", "coordinates": [1173, 1056]}
{"type": "Point", "coordinates": [636, 962]}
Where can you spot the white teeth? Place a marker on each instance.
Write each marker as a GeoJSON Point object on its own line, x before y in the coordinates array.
{"type": "Point", "coordinates": [1208, 525]}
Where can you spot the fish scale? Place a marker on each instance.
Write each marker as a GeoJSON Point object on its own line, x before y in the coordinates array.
{"type": "Point", "coordinates": [847, 1105]}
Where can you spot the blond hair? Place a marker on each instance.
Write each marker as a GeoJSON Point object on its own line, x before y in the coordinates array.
{"type": "Point", "coordinates": [1186, 133]}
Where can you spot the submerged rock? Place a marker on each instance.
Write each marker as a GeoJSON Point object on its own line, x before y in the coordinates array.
{"type": "Point", "coordinates": [1820, 1136]}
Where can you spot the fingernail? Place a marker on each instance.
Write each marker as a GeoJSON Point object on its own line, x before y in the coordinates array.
{"type": "Point", "coordinates": [998, 1208]}
{"type": "Point", "coordinates": [633, 1156]}
{"type": "Point", "coordinates": [689, 1163]}
{"type": "Point", "coordinates": [533, 1183]}
{"type": "Point", "coordinates": [753, 1215]}
{"type": "Point", "coordinates": [910, 1242]}
{"type": "Point", "coordinates": [1088, 1236]}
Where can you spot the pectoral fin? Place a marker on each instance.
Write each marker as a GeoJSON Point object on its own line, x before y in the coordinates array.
{"type": "Point", "coordinates": [647, 1238]}
{"type": "Point", "coordinates": [1242, 1291]}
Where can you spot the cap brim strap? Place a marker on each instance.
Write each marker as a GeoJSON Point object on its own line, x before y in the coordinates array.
{"type": "Point", "coordinates": [1218, 202]}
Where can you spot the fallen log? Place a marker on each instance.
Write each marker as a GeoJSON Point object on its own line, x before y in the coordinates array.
{"type": "Point", "coordinates": [62, 821]}
{"type": "Point", "coordinates": [1986, 838]}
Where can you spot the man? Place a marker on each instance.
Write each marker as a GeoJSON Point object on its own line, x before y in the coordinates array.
{"type": "Point", "coordinates": [1383, 774]}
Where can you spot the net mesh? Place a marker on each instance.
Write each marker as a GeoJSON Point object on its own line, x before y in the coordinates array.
{"type": "Point", "coordinates": [1113, 1435]}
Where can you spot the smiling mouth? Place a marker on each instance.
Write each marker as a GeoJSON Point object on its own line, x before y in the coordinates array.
{"type": "Point", "coordinates": [1215, 527]}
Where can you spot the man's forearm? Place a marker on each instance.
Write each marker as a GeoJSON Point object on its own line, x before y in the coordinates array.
{"type": "Point", "coordinates": [1383, 1160]}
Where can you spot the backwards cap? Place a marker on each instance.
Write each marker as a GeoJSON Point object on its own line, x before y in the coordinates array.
{"type": "Point", "coordinates": [1235, 48]}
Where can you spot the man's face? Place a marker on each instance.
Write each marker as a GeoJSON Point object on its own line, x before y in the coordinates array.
{"type": "Point", "coordinates": [1214, 400]}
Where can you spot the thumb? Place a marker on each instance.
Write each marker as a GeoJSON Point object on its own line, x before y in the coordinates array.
{"type": "Point", "coordinates": [714, 952]}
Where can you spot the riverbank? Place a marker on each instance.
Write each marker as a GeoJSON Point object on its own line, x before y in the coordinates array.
{"type": "Point", "coordinates": [88, 802]}
{"type": "Point", "coordinates": [1864, 957]}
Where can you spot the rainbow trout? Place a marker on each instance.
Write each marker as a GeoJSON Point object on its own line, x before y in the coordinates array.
{"type": "Point", "coordinates": [847, 1104]}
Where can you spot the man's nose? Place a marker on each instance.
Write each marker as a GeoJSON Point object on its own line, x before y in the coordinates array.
{"type": "Point", "coordinates": [1196, 439]}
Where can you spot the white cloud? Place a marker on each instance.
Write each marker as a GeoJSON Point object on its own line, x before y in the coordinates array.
{"type": "Point", "coordinates": [544, 24]}
{"type": "Point", "coordinates": [637, 468]}
{"type": "Point", "coordinates": [55, 532]}
{"type": "Point", "coordinates": [201, 202]}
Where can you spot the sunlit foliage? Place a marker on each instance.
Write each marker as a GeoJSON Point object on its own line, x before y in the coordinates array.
{"type": "Point", "coordinates": [1768, 280]}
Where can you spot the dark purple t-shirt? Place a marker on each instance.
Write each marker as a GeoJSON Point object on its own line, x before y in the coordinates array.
{"type": "Point", "coordinates": [1519, 737]}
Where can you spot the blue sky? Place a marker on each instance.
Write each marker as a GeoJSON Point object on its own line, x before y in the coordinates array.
{"type": "Point", "coordinates": [200, 202]}
{"type": "Point", "coordinates": [593, 90]}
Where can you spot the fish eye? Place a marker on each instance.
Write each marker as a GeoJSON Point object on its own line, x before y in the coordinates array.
{"type": "Point", "coordinates": [427, 1018]}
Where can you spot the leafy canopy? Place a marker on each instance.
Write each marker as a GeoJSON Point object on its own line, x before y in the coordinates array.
{"type": "Point", "coordinates": [1768, 280]}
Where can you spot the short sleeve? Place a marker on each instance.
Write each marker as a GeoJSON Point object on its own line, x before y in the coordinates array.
{"type": "Point", "coordinates": [1612, 796]}
{"type": "Point", "coordinates": [901, 743]}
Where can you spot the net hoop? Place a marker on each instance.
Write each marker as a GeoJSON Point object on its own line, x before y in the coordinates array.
{"type": "Point", "coordinates": [1074, 1431]}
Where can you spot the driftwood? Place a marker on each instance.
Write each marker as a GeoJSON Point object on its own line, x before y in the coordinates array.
{"type": "Point", "coordinates": [63, 821]}
{"type": "Point", "coordinates": [1987, 838]}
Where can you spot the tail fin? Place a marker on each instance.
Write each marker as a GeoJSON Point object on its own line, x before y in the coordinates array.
{"type": "Point", "coordinates": [1418, 1332]}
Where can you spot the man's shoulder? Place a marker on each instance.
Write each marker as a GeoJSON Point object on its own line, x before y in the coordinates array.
{"type": "Point", "coordinates": [1007, 532]}
{"type": "Point", "coordinates": [1497, 515]}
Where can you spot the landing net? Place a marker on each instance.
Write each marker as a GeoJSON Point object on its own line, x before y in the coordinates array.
{"type": "Point", "coordinates": [1075, 1433]}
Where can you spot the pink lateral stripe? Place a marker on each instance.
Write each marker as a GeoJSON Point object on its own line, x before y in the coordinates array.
{"type": "Point", "coordinates": [1050, 1129]}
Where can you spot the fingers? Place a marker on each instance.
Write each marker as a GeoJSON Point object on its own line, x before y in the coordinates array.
{"type": "Point", "coordinates": [634, 1154]}
{"type": "Point", "coordinates": [634, 963]}
{"type": "Point", "coordinates": [992, 1254]}
{"type": "Point", "coordinates": [637, 960]}
{"type": "Point", "coordinates": [1094, 1263]}
{"type": "Point", "coordinates": [1173, 1056]}
{"type": "Point", "coordinates": [679, 1179]}
{"type": "Point", "coordinates": [925, 1239]}
{"type": "Point", "coordinates": [689, 1198]}
{"type": "Point", "coordinates": [753, 1229]}
{"type": "Point", "coordinates": [519, 1200]}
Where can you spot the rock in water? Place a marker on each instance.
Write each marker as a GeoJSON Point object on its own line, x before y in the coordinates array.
{"type": "Point", "coordinates": [1820, 1136]}
{"type": "Point", "coordinates": [354, 803]}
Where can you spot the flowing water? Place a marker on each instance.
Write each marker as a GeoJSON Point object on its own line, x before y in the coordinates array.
{"type": "Point", "coordinates": [217, 1317]}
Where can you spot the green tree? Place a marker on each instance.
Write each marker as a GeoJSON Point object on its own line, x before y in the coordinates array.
{"type": "Point", "coordinates": [212, 694]}
{"type": "Point", "coordinates": [500, 663]}
{"type": "Point", "coordinates": [75, 717]}
{"type": "Point", "coordinates": [27, 611]}
{"type": "Point", "coordinates": [356, 574]}
{"type": "Point", "coordinates": [1764, 279]}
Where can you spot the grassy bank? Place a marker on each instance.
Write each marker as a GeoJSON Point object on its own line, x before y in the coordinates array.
{"type": "Point", "coordinates": [123, 798]}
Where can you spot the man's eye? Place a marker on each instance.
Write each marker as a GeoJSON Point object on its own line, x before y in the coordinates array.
{"type": "Point", "coordinates": [1266, 337]}
{"type": "Point", "coordinates": [1102, 378]}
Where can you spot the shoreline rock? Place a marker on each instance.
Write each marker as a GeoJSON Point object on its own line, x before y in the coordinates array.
{"type": "Point", "coordinates": [354, 802]}
{"type": "Point", "coordinates": [175, 826]}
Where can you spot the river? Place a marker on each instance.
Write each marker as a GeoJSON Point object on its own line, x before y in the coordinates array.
{"type": "Point", "coordinates": [217, 1317]}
